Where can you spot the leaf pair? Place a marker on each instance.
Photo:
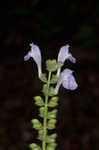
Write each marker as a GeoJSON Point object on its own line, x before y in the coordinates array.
{"type": "Point", "coordinates": [38, 126]}
{"type": "Point", "coordinates": [53, 80]}
{"type": "Point", "coordinates": [51, 143]}
{"type": "Point", "coordinates": [50, 114]}
{"type": "Point", "coordinates": [49, 92]}
{"type": "Point", "coordinates": [49, 138]}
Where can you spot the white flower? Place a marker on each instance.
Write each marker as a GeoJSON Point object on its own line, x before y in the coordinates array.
{"type": "Point", "coordinates": [36, 55]}
{"type": "Point", "coordinates": [67, 80]}
{"type": "Point", "coordinates": [63, 55]}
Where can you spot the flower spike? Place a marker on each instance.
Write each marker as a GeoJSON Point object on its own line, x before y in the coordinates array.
{"type": "Point", "coordinates": [63, 55]}
{"type": "Point", "coordinates": [36, 55]}
{"type": "Point", "coordinates": [67, 80]}
{"type": "Point", "coordinates": [47, 112]}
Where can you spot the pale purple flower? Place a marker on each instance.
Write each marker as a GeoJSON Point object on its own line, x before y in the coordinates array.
{"type": "Point", "coordinates": [67, 80]}
{"type": "Point", "coordinates": [36, 55]}
{"type": "Point", "coordinates": [63, 55]}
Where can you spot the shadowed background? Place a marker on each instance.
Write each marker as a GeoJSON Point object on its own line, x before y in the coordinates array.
{"type": "Point", "coordinates": [50, 24]}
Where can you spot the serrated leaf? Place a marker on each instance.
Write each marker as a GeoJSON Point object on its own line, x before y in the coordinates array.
{"type": "Point", "coordinates": [51, 138]}
{"type": "Point", "coordinates": [52, 114]}
{"type": "Point", "coordinates": [36, 124]}
{"type": "Point", "coordinates": [51, 124]}
{"type": "Point", "coordinates": [42, 112]}
{"type": "Point", "coordinates": [43, 77]}
{"type": "Point", "coordinates": [51, 146]}
{"type": "Point", "coordinates": [39, 101]}
{"type": "Point", "coordinates": [53, 102]}
{"type": "Point", "coordinates": [51, 65]}
{"type": "Point", "coordinates": [45, 89]}
{"type": "Point", "coordinates": [34, 146]}
{"type": "Point", "coordinates": [54, 79]}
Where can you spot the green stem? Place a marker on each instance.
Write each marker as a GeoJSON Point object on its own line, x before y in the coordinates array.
{"type": "Point", "coordinates": [45, 114]}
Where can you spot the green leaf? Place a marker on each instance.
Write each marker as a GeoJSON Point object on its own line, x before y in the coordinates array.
{"type": "Point", "coordinates": [51, 91]}
{"type": "Point", "coordinates": [39, 101]}
{"type": "Point", "coordinates": [51, 65]}
{"type": "Point", "coordinates": [51, 138]}
{"type": "Point", "coordinates": [51, 124]}
{"type": "Point", "coordinates": [54, 79]}
{"type": "Point", "coordinates": [34, 146]}
{"type": "Point", "coordinates": [45, 89]}
{"type": "Point", "coordinates": [53, 102]}
{"type": "Point", "coordinates": [43, 77]}
{"type": "Point", "coordinates": [42, 112]}
{"type": "Point", "coordinates": [52, 114]}
{"type": "Point", "coordinates": [51, 146]}
{"type": "Point", "coordinates": [40, 132]}
{"type": "Point", "coordinates": [36, 124]}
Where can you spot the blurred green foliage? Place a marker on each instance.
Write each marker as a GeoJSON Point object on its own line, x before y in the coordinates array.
{"type": "Point", "coordinates": [87, 35]}
{"type": "Point", "coordinates": [52, 18]}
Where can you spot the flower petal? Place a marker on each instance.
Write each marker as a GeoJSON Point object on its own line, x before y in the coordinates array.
{"type": "Point", "coordinates": [67, 80]}
{"type": "Point", "coordinates": [70, 83]}
{"type": "Point", "coordinates": [63, 53]}
{"type": "Point", "coordinates": [26, 57]}
{"type": "Point", "coordinates": [66, 73]}
{"type": "Point", "coordinates": [72, 59]}
{"type": "Point", "coordinates": [36, 55]}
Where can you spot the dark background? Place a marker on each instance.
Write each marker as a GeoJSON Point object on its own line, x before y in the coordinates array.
{"type": "Point", "coordinates": [50, 24]}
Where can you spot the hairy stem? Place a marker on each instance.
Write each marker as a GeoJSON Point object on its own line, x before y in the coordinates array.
{"type": "Point", "coordinates": [45, 114]}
